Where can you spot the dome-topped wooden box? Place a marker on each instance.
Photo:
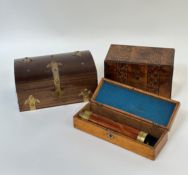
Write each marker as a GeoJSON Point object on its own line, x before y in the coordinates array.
{"type": "Point", "coordinates": [54, 80]}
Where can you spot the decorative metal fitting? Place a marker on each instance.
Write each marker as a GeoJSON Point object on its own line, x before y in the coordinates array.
{"type": "Point", "coordinates": [32, 101]}
{"type": "Point", "coordinates": [85, 114]}
{"type": "Point", "coordinates": [55, 71]}
{"type": "Point", "coordinates": [85, 94]}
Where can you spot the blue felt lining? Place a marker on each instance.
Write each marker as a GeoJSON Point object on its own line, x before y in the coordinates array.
{"type": "Point", "coordinates": [145, 106]}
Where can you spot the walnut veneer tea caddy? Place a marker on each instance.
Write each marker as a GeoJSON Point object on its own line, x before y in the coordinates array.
{"type": "Point", "coordinates": [146, 68]}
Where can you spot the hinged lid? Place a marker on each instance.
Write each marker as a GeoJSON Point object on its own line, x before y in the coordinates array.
{"type": "Point", "coordinates": [136, 103]}
{"type": "Point", "coordinates": [141, 55]}
{"type": "Point", "coordinates": [72, 63]}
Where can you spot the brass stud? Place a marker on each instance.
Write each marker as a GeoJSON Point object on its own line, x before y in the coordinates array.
{"type": "Point", "coordinates": [77, 53]}
{"type": "Point", "coordinates": [27, 60]}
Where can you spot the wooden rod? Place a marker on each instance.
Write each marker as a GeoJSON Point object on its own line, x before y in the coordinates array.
{"type": "Point", "coordinates": [118, 127]}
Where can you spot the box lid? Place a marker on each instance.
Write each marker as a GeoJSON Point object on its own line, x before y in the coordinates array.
{"type": "Point", "coordinates": [136, 103]}
{"type": "Point", "coordinates": [141, 54]}
{"type": "Point", "coordinates": [33, 68]}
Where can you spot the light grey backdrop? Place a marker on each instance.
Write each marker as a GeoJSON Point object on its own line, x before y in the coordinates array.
{"type": "Point", "coordinates": [44, 142]}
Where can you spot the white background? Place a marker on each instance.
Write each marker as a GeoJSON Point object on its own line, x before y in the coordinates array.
{"type": "Point", "coordinates": [44, 142]}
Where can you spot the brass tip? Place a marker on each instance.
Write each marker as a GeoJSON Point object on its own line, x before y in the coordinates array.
{"type": "Point", "coordinates": [85, 114]}
{"type": "Point", "coordinates": [142, 136]}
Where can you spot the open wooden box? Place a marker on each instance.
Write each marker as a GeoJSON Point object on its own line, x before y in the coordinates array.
{"type": "Point", "coordinates": [137, 108]}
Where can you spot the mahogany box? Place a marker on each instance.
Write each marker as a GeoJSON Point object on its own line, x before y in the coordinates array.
{"type": "Point", "coordinates": [146, 68]}
{"type": "Point", "coordinates": [53, 80]}
{"type": "Point", "coordinates": [126, 105]}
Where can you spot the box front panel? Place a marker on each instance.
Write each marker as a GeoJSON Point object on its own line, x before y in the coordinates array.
{"type": "Point", "coordinates": [114, 138]}
{"type": "Point", "coordinates": [156, 79]}
{"type": "Point", "coordinates": [73, 89]}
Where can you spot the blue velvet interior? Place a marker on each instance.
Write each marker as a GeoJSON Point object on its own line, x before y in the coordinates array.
{"type": "Point", "coordinates": [145, 106]}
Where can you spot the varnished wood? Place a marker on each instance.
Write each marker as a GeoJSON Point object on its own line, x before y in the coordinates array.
{"type": "Point", "coordinates": [114, 126]}
{"type": "Point", "coordinates": [77, 73]}
{"type": "Point", "coordinates": [147, 68]}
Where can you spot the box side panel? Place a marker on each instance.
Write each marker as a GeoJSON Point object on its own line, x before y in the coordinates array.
{"type": "Point", "coordinates": [114, 138]}
{"type": "Point", "coordinates": [161, 142]}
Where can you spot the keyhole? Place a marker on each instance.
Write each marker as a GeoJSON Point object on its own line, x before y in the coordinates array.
{"type": "Point", "coordinates": [110, 136]}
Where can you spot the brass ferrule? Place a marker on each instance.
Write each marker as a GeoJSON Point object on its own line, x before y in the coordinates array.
{"type": "Point", "coordinates": [142, 136]}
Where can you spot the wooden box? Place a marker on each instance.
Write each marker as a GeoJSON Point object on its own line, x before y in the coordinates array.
{"type": "Point", "coordinates": [146, 68]}
{"type": "Point", "coordinates": [125, 105]}
{"type": "Point", "coordinates": [54, 80]}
